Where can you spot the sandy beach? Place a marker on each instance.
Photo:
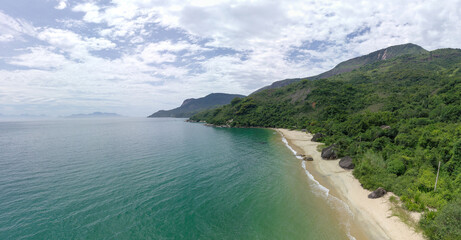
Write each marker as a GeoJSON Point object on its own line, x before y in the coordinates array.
{"type": "Point", "coordinates": [372, 216]}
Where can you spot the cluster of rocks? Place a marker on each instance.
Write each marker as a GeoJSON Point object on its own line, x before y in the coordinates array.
{"type": "Point", "coordinates": [306, 157]}
{"type": "Point", "coordinates": [218, 126]}
{"type": "Point", "coordinates": [331, 153]}
{"type": "Point", "coordinates": [194, 121]}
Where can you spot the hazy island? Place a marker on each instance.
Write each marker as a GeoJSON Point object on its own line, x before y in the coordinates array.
{"type": "Point", "coordinates": [394, 114]}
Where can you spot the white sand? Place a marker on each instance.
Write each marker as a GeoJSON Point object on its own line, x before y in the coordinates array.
{"type": "Point", "coordinates": [373, 216]}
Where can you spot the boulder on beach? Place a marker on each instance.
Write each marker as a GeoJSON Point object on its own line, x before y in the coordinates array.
{"type": "Point", "coordinates": [308, 158]}
{"type": "Point", "coordinates": [329, 152]}
{"type": "Point", "coordinates": [316, 137]}
{"type": "Point", "coordinates": [377, 193]}
{"type": "Point", "coordinates": [346, 163]}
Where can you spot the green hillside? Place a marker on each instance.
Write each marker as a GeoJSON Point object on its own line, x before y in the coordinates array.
{"type": "Point", "coordinates": [351, 64]}
{"type": "Point", "coordinates": [397, 118]}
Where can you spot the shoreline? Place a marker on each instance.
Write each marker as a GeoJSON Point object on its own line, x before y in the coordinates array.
{"type": "Point", "coordinates": [371, 218]}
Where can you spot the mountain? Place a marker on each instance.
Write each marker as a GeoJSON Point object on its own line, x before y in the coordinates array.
{"type": "Point", "coordinates": [191, 106]}
{"type": "Point", "coordinates": [351, 64]}
{"type": "Point", "coordinates": [397, 119]}
{"type": "Point", "coordinates": [279, 84]}
{"type": "Point", "coordinates": [94, 115]}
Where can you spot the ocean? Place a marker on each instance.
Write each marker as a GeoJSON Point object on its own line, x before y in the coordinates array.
{"type": "Point", "coordinates": [164, 178]}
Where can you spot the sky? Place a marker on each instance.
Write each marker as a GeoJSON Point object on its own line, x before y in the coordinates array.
{"type": "Point", "coordinates": [134, 57]}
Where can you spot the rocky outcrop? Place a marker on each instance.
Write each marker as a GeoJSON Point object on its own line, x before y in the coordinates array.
{"type": "Point", "coordinates": [305, 157]}
{"type": "Point", "coordinates": [385, 127]}
{"type": "Point", "coordinates": [330, 152]}
{"type": "Point", "coordinates": [346, 163]}
{"type": "Point", "coordinates": [316, 137]}
{"type": "Point", "coordinates": [377, 193]}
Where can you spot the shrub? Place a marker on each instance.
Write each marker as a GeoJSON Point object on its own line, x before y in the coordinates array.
{"type": "Point", "coordinates": [396, 166]}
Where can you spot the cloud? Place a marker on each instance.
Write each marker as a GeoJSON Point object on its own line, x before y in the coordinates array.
{"type": "Point", "coordinates": [73, 43]}
{"type": "Point", "coordinates": [13, 28]}
{"type": "Point", "coordinates": [39, 57]}
{"type": "Point", "coordinates": [6, 38]}
{"type": "Point", "coordinates": [143, 55]}
{"type": "Point", "coordinates": [62, 4]}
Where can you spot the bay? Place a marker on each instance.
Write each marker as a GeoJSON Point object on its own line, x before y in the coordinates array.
{"type": "Point", "coordinates": [136, 178]}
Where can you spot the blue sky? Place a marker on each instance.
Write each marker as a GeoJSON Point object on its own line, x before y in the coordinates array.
{"type": "Point", "coordinates": [59, 57]}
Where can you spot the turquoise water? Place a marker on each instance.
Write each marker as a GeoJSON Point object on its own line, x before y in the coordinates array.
{"type": "Point", "coordinates": [135, 178]}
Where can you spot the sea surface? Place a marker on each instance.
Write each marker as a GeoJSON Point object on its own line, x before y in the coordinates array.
{"type": "Point", "coordinates": [136, 178]}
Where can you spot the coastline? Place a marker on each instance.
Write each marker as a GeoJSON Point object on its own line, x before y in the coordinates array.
{"type": "Point", "coordinates": [371, 218]}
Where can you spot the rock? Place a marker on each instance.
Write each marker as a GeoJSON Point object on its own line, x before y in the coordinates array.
{"type": "Point", "coordinates": [303, 130]}
{"type": "Point", "coordinates": [316, 137]}
{"type": "Point", "coordinates": [377, 193]}
{"type": "Point", "coordinates": [329, 152]}
{"type": "Point", "coordinates": [308, 158]}
{"type": "Point", "coordinates": [385, 127]}
{"type": "Point", "coordinates": [346, 163]}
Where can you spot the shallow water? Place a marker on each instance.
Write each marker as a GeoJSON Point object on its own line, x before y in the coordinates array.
{"type": "Point", "coordinates": [154, 179]}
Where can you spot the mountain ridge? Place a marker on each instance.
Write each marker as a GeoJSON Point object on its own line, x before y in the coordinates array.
{"type": "Point", "coordinates": [191, 106]}
{"type": "Point", "coordinates": [354, 63]}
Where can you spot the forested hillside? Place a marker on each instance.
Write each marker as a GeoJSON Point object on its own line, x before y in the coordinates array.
{"type": "Point", "coordinates": [397, 118]}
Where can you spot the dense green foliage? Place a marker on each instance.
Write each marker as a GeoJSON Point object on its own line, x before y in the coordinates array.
{"type": "Point", "coordinates": [397, 118]}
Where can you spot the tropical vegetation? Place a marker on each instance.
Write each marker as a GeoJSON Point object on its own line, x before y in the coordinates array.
{"type": "Point", "coordinates": [397, 118]}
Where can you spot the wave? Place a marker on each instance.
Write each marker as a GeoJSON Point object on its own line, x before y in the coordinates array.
{"type": "Point", "coordinates": [324, 192]}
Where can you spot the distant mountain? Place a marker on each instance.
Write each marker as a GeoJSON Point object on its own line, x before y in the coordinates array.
{"type": "Point", "coordinates": [94, 115]}
{"type": "Point", "coordinates": [191, 106]}
{"type": "Point", "coordinates": [355, 63]}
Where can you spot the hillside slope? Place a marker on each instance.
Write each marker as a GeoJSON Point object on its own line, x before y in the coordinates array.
{"type": "Point", "coordinates": [191, 106]}
{"type": "Point", "coordinates": [397, 119]}
{"type": "Point", "coordinates": [351, 64]}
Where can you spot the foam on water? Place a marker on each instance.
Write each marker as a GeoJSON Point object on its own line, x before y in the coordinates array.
{"type": "Point", "coordinates": [323, 192]}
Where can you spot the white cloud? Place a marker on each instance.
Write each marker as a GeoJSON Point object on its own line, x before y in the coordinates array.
{"type": "Point", "coordinates": [6, 38]}
{"type": "Point", "coordinates": [166, 51]}
{"type": "Point", "coordinates": [39, 57]}
{"type": "Point", "coordinates": [73, 43]}
{"type": "Point", "coordinates": [14, 28]}
{"type": "Point", "coordinates": [62, 4]}
{"type": "Point", "coordinates": [91, 11]}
